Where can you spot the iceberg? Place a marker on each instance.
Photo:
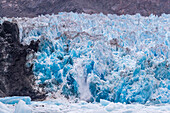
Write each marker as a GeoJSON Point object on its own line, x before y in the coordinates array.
{"type": "Point", "coordinates": [15, 99]}
{"type": "Point", "coordinates": [21, 107]}
{"type": "Point", "coordinates": [4, 108]}
{"type": "Point", "coordinates": [104, 102]}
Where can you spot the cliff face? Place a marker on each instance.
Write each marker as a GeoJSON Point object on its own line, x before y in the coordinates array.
{"type": "Point", "coordinates": [31, 8]}
{"type": "Point", "coordinates": [15, 78]}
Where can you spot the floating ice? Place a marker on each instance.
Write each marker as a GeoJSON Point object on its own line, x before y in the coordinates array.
{"type": "Point", "coordinates": [21, 107]}
{"type": "Point", "coordinates": [15, 99]}
{"type": "Point", "coordinates": [4, 108]}
{"type": "Point", "coordinates": [85, 107]}
{"type": "Point", "coordinates": [104, 102]}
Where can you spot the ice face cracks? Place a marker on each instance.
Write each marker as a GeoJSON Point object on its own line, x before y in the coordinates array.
{"type": "Point", "coordinates": [117, 58]}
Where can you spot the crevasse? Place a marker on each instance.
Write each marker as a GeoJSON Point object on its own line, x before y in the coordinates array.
{"type": "Point", "coordinates": [118, 58]}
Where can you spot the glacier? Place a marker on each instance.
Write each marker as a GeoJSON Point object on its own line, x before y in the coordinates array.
{"type": "Point", "coordinates": [92, 57]}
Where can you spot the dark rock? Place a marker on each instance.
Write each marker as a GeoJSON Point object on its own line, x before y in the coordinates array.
{"type": "Point", "coordinates": [32, 8]}
{"type": "Point", "coordinates": [15, 78]}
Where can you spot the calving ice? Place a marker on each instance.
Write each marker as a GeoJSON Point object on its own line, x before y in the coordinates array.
{"type": "Point", "coordinates": [92, 57]}
{"type": "Point", "coordinates": [117, 58]}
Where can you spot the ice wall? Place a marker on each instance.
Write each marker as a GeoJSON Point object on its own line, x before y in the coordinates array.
{"type": "Point", "coordinates": [118, 58]}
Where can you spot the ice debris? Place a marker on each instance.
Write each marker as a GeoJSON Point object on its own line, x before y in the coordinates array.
{"type": "Point", "coordinates": [104, 102]}
{"type": "Point", "coordinates": [50, 106]}
{"type": "Point", "coordinates": [21, 107]}
{"type": "Point", "coordinates": [4, 108]}
{"type": "Point", "coordinates": [117, 58]}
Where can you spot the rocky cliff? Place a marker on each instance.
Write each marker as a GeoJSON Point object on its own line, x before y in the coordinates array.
{"type": "Point", "coordinates": [16, 79]}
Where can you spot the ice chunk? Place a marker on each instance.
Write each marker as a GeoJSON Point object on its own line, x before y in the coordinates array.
{"type": "Point", "coordinates": [110, 107]}
{"type": "Point", "coordinates": [15, 99]}
{"type": "Point", "coordinates": [4, 108]}
{"type": "Point", "coordinates": [21, 107]}
{"type": "Point", "coordinates": [104, 102]}
{"type": "Point", "coordinates": [162, 70]}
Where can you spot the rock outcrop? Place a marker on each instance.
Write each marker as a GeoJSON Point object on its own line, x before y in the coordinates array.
{"type": "Point", "coordinates": [16, 79]}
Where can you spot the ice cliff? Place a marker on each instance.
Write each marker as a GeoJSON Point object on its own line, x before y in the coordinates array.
{"type": "Point", "coordinates": [117, 58]}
